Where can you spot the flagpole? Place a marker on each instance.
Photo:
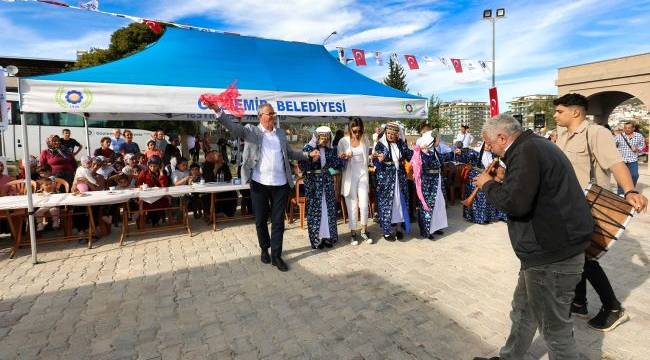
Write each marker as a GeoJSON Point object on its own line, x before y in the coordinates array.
{"type": "Point", "coordinates": [494, 21]}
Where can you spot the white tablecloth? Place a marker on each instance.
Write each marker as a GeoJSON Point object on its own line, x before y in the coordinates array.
{"type": "Point", "coordinates": [92, 198]}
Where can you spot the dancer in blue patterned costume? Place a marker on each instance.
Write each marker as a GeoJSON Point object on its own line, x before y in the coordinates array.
{"type": "Point", "coordinates": [481, 212]}
{"type": "Point", "coordinates": [427, 167]}
{"type": "Point", "coordinates": [392, 192]}
{"type": "Point", "coordinates": [319, 189]}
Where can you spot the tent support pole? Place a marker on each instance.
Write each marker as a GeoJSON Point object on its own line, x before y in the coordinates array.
{"type": "Point", "coordinates": [87, 134]}
{"type": "Point", "coordinates": [28, 188]}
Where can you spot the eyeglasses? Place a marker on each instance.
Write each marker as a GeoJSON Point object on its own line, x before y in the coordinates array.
{"type": "Point", "coordinates": [271, 114]}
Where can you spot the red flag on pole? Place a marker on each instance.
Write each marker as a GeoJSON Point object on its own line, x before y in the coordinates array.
{"type": "Point", "coordinates": [494, 102]}
{"type": "Point", "coordinates": [155, 26]}
{"type": "Point", "coordinates": [359, 57]}
{"type": "Point", "coordinates": [226, 100]}
{"type": "Point", "coordinates": [412, 61]}
{"type": "Point", "coordinates": [458, 67]}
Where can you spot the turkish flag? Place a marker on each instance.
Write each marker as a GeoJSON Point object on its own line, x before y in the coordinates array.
{"type": "Point", "coordinates": [155, 26]}
{"type": "Point", "coordinates": [359, 57]}
{"type": "Point", "coordinates": [458, 67]}
{"type": "Point", "coordinates": [412, 61]}
{"type": "Point", "coordinates": [494, 102]}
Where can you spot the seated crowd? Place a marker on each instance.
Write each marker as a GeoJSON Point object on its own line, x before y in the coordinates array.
{"type": "Point", "coordinates": [119, 164]}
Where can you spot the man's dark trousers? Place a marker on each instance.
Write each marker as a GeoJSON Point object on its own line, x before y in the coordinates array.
{"type": "Point", "coordinates": [542, 301]}
{"type": "Point", "coordinates": [269, 201]}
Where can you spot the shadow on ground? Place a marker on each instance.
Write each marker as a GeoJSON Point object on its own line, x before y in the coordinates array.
{"type": "Point", "coordinates": [236, 309]}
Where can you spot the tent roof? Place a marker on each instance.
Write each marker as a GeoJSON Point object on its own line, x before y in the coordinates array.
{"type": "Point", "coordinates": [169, 76]}
{"type": "Point", "coordinates": [190, 58]}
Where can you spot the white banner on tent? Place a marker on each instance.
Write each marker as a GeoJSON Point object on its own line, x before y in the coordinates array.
{"type": "Point", "coordinates": [79, 97]}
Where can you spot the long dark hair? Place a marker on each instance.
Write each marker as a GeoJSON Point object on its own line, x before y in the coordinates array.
{"type": "Point", "coordinates": [355, 122]}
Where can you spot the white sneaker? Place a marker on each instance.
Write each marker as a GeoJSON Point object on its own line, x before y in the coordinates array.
{"type": "Point", "coordinates": [354, 241]}
{"type": "Point", "coordinates": [365, 238]}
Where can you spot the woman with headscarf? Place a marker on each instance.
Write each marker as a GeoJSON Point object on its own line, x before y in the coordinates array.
{"type": "Point", "coordinates": [319, 189]}
{"type": "Point", "coordinates": [154, 177]}
{"type": "Point", "coordinates": [427, 168]}
{"type": "Point", "coordinates": [481, 212]}
{"type": "Point", "coordinates": [59, 159]}
{"type": "Point", "coordinates": [355, 183]}
{"type": "Point", "coordinates": [390, 154]}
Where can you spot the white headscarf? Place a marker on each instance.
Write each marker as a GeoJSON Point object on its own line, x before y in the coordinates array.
{"type": "Point", "coordinates": [321, 130]}
{"type": "Point", "coordinates": [425, 142]}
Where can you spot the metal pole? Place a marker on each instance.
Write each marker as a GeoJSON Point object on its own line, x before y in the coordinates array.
{"type": "Point", "coordinates": [87, 135]}
{"type": "Point", "coordinates": [28, 187]}
{"type": "Point", "coordinates": [494, 21]}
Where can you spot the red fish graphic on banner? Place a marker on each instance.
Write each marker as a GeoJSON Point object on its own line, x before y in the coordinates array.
{"type": "Point", "coordinates": [226, 100]}
{"type": "Point", "coordinates": [458, 67]}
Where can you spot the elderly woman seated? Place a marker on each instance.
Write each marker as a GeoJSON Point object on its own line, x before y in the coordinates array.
{"type": "Point", "coordinates": [154, 177]}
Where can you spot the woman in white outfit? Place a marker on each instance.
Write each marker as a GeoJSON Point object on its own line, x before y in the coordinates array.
{"type": "Point", "coordinates": [355, 185]}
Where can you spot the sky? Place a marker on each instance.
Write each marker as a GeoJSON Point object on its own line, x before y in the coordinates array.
{"type": "Point", "coordinates": [532, 41]}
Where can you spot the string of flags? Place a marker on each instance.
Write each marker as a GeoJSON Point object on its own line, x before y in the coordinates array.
{"type": "Point", "coordinates": [157, 26]}
{"type": "Point", "coordinates": [360, 56]}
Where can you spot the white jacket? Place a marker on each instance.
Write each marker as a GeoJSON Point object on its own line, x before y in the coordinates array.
{"type": "Point", "coordinates": [344, 147]}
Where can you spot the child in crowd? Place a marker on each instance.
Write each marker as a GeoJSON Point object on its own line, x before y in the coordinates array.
{"type": "Point", "coordinates": [195, 203]}
{"type": "Point", "coordinates": [151, 150]}
{"type": "Point", "coordinates": [85, 174]}
{"type": "Point", "coordinates": [47, 186]}
{"type": "Point", "coordinates": [181, 175]}
{"type": "Point", "coordinates": [105, 168]}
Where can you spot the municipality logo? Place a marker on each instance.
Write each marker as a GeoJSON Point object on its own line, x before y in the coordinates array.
{"type": "Point", "coordinates": [407, 108]}
{"type": "Point", "coordinates": [73, 99]}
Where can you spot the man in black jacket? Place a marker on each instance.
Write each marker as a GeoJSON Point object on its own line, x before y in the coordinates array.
{"type": "Point", "coordinates": [550, 224]}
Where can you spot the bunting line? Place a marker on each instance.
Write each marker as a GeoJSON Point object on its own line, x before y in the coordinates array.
{"type": "Point", "coordinates": [359, 56]}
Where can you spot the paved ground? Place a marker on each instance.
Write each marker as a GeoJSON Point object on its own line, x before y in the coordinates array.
{"type": "Point", "coordinates": [208, 296]}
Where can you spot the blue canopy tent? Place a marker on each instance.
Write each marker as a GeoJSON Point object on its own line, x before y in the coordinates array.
{"type": "Point", "coordinates": [168, 77]}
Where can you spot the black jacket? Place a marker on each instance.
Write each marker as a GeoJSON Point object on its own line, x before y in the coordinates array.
{"type": "Point", "coordinates": [548, 216]}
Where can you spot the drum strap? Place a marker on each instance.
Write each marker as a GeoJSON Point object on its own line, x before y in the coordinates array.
{"type": "Point", "coordinates": [592, 177]}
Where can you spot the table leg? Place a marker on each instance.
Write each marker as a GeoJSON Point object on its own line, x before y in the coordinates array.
{"type": "Point", "coordinates": [125, 222]}
{"type": "Point", "coordinates": [91, 227]}
{"type": "Point", "coordinates": [213, 210]}
{"type": "Point", "coordinates": [185, 218]}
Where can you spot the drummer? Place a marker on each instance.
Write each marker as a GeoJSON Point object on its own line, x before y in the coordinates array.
{"type": "Point", "coordinates": [570, 115]}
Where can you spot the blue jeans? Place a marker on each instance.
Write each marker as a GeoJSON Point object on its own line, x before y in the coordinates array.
{"type": "Point", "coordinates": [542, 300]}
{"type": "Point", "coordinates": [634, 171]}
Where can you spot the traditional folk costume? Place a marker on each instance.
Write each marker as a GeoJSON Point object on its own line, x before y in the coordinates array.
{"type": "Point", "coordinates": [319, 189]}
{"type": "Point", "coordinates": [481, 212]}
{"type": "Point", "coordinates": [392, 189]}
{"type": "Point", "coordinates": [427, 168]}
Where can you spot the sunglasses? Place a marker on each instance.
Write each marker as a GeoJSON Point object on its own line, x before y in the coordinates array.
{"type": "Point", "coordinates": [357, 131]}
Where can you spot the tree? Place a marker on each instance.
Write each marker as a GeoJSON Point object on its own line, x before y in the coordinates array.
{"type": "Point", "coordinates": [547, 108]}
{"type": "Point", "coordinates": [435, 120]}
{"type": "Point", "coordinates": [396, 76]}
{"type": "Point", "coordinates": [124, 42]}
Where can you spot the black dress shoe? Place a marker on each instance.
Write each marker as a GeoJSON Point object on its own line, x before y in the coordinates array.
{"type": "Point", "coordinates": [399, 235]}
{"type": "Point", "coordinates": [279, 263]}
{"type": "Point", "coordinates": [389, 238]}
{"type": "Point", "coordinates": [438, 232]}
{"type": "Point", "coordinates": [266, 259]}
{"type": "Point", "coordinates": [431, 237]}
{"type": "Point", "coordinates": [327, 243]}
{"type": "Point", "coordinates": [320, 246]}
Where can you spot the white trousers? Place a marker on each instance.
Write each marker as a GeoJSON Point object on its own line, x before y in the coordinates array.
{"type": "Point", "coordinates": [358, 199]}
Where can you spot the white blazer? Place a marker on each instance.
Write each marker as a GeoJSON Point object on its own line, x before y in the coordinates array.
{"type": "Point", "coordinates": [344, 147]}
